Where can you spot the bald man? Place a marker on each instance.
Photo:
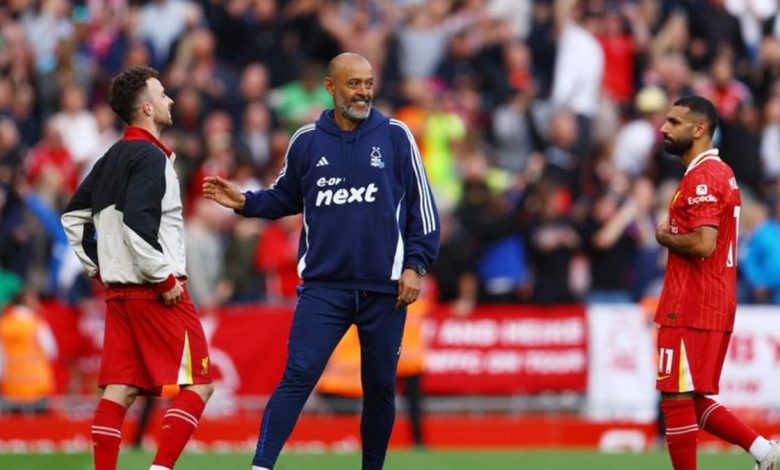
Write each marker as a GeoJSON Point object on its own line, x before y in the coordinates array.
{"type": "Point", "coordinates": [371, 230]}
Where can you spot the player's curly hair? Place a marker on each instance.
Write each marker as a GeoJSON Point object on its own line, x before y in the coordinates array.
{"type": "Point", "coordinates": [126, 88]}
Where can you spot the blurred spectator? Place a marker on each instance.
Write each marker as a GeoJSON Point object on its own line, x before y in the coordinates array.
{"type": "Point", "coordinates": [302, 100]}
{"type": "Point", "coordinates": [638, 140]}
{"type": "Point", "coordinates": [51, 155]}
{"type": "Point", "coordinates": [196, 64]}
{"type": "Point", "coordinates": [439, 131]}
{"type": "Point", "coordinates": [266, 40]}
{"type": "Point", "coordinates": [107, 135]}
{"type": "Point", "coordinates": [541, 42]}
{"type": "Point", "coordinates": [220, 155]}
{"type": "Point", "coordinates": [14, 233]}
{"type": "Point", "coordinates": [277, 258]}
{"type": "Point", "coordinates": [760, 263]}
{"type": "Point", "coordinates": [254, 83]}
{"type": "Point", "coordinates": [770, 139]}
{"type": "Point", "coordinates": [23, 111]}
{"type": "Point", "coordinates": [672, 73]}
{"type": "Point", "coordinates": [619, 222]}
{"type": "Point", "coordinates": [713, 30]}
{"type": "Point", "coordinates": [423, 36]}
{"type": "Point", "coordinates": [204, 252]}
{"type": "Point", "coordinates": [514, 132]}
{"type": "Point", "coordinates": [27, 350]}
{"type": "Point", "coordinates": [255, 134]}
{"type": "Point", "coordinates": [751, 15]}
{"type": "Point", "coordinates": [240, 281]}
{"type": "Point", "coordinates": [356, 32]}
{"type": "Point", "coordinates": [579, 63]}
{"type": "Point", "coordinates": [45, 25]}
{"type": "Point", "coordinates": [517, 13]}
{"type": "Point", "coordinates": [161, 22]}
{"type": "Point", "coordinates": [45, 211]}
{"type": "Point", "coordinates": [552, 243]}
{"type": "Point", "coordinates": [619, 49]}
{"type": "Point", "coordinates": [740, 146]}
{"type": "Point", "coordinates": [189, 110]}
{"type": "Point", "coordinates": [723, 89]}
{"type": "Point", "coordinates": [562, 157]}
{"type": "Point", "coordinates": [76, 125]}
{"type": "Point", "coordinates": [500, 254]}
{"type": "Point", "coordinates": [672, 36]}
{"type": "Point", "coordinates": [454, 270]}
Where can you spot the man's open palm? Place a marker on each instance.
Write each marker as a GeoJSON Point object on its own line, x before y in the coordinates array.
{"type": "Point", "coordinates": [223, 192]}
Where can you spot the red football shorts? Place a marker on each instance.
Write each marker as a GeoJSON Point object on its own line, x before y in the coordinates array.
{"type": "Point", "coordinates": [148, 344]}
{"type": "Point", "coordinates": [690, 360]}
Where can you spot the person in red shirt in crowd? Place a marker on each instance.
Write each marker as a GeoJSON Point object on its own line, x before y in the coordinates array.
{"type": "Point", "coordinates": [695, 314]}
{"type": "Point", "coordinates": [726, 92]}
{"type": "Point", "coordinates": [51, 155]}
{"type": "Point", "coordinates": [277, 258]}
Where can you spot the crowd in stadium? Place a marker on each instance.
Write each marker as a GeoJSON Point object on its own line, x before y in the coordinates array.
{"type": "Point", "coordinates": [538, 122]}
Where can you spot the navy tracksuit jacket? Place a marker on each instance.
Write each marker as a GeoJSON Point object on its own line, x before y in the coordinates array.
{"type": "Point", "coordinates": [367, 206]}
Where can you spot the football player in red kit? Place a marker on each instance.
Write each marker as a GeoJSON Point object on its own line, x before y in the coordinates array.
{"type": "Point", "coordinates": [695, 314]}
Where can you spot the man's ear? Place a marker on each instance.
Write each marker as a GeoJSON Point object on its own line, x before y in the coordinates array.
{"type": "Point", "coordinates": [701, 128]}
{"type": "Point", "coordinates": [328, 82]}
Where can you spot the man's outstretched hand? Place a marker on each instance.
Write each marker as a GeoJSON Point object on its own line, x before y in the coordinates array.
{"type": "Point", "coordinates": [223, 192]}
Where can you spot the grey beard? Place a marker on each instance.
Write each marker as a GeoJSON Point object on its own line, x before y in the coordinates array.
{"type": "Point", "coordinates": [354, 115]}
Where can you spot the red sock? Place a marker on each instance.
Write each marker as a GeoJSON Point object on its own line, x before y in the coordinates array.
{"type": "Point", "coordinates": [107, 433]}
{"type": "Point", "coordinates": [681, 432]}
{"type": "Point", "coordinates": [717, 420]}
{"type": "Point", "coordinates": [179, 423]}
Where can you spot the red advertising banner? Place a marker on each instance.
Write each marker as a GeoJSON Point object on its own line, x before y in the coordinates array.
{"type": "Point", "coordinates": [506, 350]}
{"type": "Point", "coordinates": [248, 347]}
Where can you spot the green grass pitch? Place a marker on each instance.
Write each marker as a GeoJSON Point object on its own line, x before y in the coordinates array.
{"type": "Point", "coordinates": [423, 460]}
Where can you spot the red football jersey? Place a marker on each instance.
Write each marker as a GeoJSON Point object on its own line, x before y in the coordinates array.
{"type": "Point", "coordinates": [701, 292]}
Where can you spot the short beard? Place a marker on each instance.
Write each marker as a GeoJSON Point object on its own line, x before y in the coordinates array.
{"type": "Point", "coordinates": [164, 122]}
{"type": "Point", "coordinates": [352, 114]}
{"type": "Point", "coordinates": [678, 147]}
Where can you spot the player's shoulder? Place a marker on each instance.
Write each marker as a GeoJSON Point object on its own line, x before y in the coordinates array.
{"type": "Point", "coordinates": [399, 129]}
{"type": "Point", "coordinates": [711, 176]}
{"type": "Point", "coordinates": [714, 170]}
{"type": "Point", "coordinates": [303, 133]}
{"type": "Point", "coordinates": [301, 140]}
{"type": "Point", "coordinates": [140, 153]}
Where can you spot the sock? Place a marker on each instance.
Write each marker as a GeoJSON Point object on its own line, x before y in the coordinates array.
{"type": "Point", "coordinates": [717, 420]}
{"type": "Point", "coordinates": [760, 448]}
{"type": "Point", "coordinates": [681, 432]}
{"type": "Point", "coordinates": [179, 423]}
{"type": "Point", "coordinates": [158, 467]}
{"type": "Point", "coordinates": [107, 433]}
{"type": "Point", "coordinates": [255, 467]}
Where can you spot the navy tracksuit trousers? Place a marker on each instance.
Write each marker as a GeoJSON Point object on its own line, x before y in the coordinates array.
{"type": "Point", "coordinates": [322, 317]}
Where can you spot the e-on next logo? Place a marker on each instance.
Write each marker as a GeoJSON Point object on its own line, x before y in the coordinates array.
{"type": "Point", "coordinates": [326, 197]}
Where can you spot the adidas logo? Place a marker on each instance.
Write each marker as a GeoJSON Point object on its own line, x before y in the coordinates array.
{"type": "Point", "coordinates": [323, 161]}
